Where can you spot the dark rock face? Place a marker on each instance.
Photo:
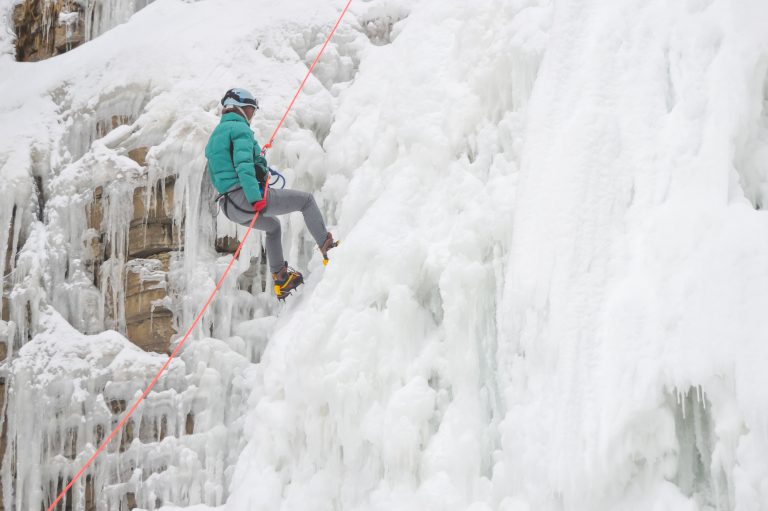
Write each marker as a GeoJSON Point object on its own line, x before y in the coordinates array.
{"type": "Point", "coordinates": [46, 29]}
{"type": "Point", "coordinates": [227, 244]}
{"type": "Point", "coordinates": [152, 229]}
{"type": "Point", "coordinates": [149, 322]}
{"type": "Point", "coordinates": [152, 240]}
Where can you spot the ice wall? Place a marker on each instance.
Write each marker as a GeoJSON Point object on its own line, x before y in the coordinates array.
{"type": "Point", "coordinates": [178, 447]}
{"type": "Point", "coordinates": [636, 270]}
{"type": "Point", "coordinates": [77, 138]}
{"type": "Point", "coordinates": [550, 216]}
{"type": "Point", "coordinates": [535, 305]}
{"type": "Point", "coordinates": [102, 15]}
{"type": "Point", "coordinates": [380, 389]}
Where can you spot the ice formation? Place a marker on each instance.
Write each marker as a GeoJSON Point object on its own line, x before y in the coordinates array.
{"type": "Point", "coordinates": [550, 294]}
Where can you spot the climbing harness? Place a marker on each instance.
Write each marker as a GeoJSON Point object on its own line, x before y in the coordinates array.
{"type": "Point", "coordinates": [183, 340]}
{"type": "Point", "coordinates": [278, 178]}
{"type": "Point", "coordinates": [228, 202]}
{"type": "Point", "coordinates": [224, 204]}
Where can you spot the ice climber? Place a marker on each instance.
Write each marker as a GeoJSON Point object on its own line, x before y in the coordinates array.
{"type": "Point", "coordinates": [239, 173]}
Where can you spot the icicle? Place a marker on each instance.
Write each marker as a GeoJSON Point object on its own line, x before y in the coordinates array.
{"type": "Point", "coordinates": [102, 15]}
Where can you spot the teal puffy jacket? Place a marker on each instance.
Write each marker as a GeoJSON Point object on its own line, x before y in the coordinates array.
{"type": "Point", "coordinates": [234, 157]}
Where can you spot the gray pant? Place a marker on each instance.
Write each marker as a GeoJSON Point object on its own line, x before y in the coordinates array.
{"type": "Point", "coordinates": [279, 202]}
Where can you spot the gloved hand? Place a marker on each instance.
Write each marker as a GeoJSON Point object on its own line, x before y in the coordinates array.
{"type": "Point", "coordinates": [259, 205]}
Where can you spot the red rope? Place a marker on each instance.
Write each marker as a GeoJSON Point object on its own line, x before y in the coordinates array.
{"type": "Point", "coordinates": [210, 298]}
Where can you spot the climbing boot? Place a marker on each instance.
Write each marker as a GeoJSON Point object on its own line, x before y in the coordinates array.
{"type": "Point", "coordinates": [286, 280]}
{"type": "Point", "coordinates": [326, 246]}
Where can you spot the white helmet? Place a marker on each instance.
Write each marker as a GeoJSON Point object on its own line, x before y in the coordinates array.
{"type": "Point", "coordinates": [239, 97]}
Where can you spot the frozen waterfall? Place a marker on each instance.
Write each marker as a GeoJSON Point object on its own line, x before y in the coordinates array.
{"type": "Point", "coordinates": [550, 293]}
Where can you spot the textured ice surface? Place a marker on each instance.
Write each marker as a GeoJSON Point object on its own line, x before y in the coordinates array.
{"type": "Point", "coordinates": [552, 286]}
